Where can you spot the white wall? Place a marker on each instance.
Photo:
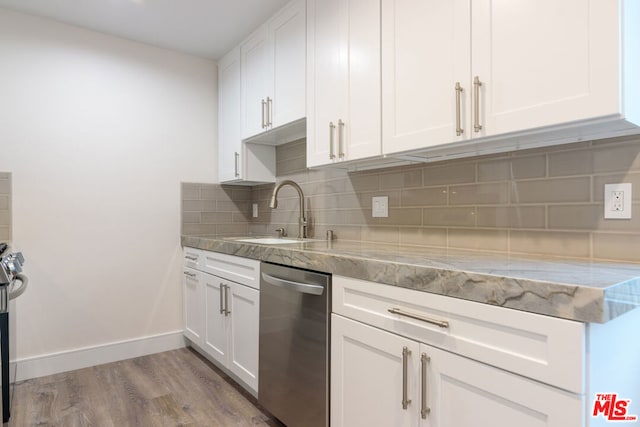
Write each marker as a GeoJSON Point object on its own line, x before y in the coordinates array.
{"type": "Point", "coordinates": [98, 133]}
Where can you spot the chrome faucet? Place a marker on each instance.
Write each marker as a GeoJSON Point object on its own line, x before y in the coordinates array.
{"type": "Point", "coordinates": [302, 221]}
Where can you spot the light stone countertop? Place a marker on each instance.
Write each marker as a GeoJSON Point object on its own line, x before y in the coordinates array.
{"type": "Point", "coordinates": [566, 288]}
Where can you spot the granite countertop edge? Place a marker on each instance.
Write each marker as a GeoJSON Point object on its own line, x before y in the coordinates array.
{"type": "Point", "coordinates": [568, 289]}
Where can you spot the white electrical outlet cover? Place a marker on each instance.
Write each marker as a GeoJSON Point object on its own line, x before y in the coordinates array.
{"type": "Point", "coordinates": [617, 201]}
{"type": "Point", "coordinates": [380, 207]}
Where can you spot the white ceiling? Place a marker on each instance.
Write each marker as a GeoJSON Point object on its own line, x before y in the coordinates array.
{"type": "Point", "coordinates": [207, 28]}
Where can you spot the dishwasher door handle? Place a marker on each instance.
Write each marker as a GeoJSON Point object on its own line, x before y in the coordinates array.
{"type": "Point", "coordinates": [304, 288]}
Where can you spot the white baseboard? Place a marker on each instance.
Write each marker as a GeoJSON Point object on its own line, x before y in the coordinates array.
{"type": "Point", "coordinates": [53, 363]}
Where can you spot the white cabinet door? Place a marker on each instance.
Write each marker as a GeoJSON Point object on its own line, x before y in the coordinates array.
{"type": "Point", "coordinates": [193, 305]}
{"type": "Point", "coordinates": [244, 307]}
{"type": "Point", "coordinates": [544, 62]}
{"type": "Point", "coordinates": [464, 393]}
{"type": "Point", "coordinates": [216, 337]}
{"type": "Point", "coordinates": [425, 45]}
{"type": "Point", "coordinates": [255, 74]}
{"type": "Point", "coordinates": [273, 72]}
{"type": "Point", "coordinates": [367, 376]}
{"type": "Point", "coordinates": [343, 80]}
{"type": "Point", "coordinates": [229, 128]}
{"type": "Point", "coordinates": [232, 320]}
{"type": "Point", "coordinates": [287, 33]}
{"type": "Point", "coordinates": [325, 86]}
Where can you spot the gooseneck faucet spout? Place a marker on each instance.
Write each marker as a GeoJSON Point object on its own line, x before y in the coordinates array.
{"type": "Point", "coordinates": [302, 221]}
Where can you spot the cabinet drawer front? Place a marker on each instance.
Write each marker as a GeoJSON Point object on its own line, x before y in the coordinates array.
{"type": "Point", "coordinates": [544, 348]}
{"type": "Point", "coordinates": [237, 269]}
{"type": "Point", "coordinates": [192, 258]}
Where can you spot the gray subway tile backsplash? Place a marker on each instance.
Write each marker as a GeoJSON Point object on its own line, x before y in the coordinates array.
{"type": "Point", "coordinates": [479, 194]}
{"type": "Point", "coordinates": [449, 216]}
{"type": "Point", "coordinates": [553, 190]}
{"type": "Point", "coordinates": [449, 173]}
{"type": "Point", "coordinates": [542, 202]}
{"type": "Point", "coordinates": [511, 216]}
{"type": "Point", "coordinates": [433, 196]}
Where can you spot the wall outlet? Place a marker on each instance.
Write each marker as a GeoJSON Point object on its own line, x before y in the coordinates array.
{"type": "Point", "coordinates": [617, 201]}
{"type": "Point", "coordinates": [380, 207]}
{"type": "Point", "coordinates": [255, 210]}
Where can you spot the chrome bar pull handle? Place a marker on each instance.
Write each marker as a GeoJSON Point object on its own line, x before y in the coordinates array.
{"type": "Point", "coordinates": [263, 124]}
{"type": "Point", "coordinates": [340, 139]}
{"type": "Point", "coordinates": [192, 258]}
{"type": "Point", "coordinates": [269, 112]}
{"type": "Point", "coordinates": [476, 104]}
{"type": "Point", "coordinates": [186, 273]}
{"type": "Point", "coordinates": [237, 163]}
{"type": "Point", "coordinates": [221, 298]}
{"type": "Point", "coordinates": [459, 130]}
{"type": "Point", "coordinates": [405, 356]}
{"type": "Point", "coordinates": [304, 288]}
{"type": "Point", "coordinates": [439, 323]}
{"type": "Point", "coordinates": [424, 410]}
{"type": "Point", "coordinates": [226, 300]}
{"type": "Point", "coordinates": [332, 134]}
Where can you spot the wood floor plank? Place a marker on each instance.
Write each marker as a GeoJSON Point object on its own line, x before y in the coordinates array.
{"type": "Point", "coordinates": [174, 388]}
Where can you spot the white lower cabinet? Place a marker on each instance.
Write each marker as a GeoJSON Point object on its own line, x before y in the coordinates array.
{"type": "Point", "coordinates": [370, 386]}
{"type": "Point", "coordinates": [400, 357]}
{"type": "Point", "coordinates": [216, 342]}
{"type": "Point", "coordinates": [193, 304]}
{"type": "Point", "coordinates": [464, 392]}
{"type": "Point", "coordinates": [222, 316]}
{"type": "Point", "coordinates": [231, 327]}
{"type": "Point", "coordinates": [366, 376]}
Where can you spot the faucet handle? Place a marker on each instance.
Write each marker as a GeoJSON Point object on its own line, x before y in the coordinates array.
{"type": "Point", "coordinates": [330, 235]}
{"type": "Point", "coordinates": [281, 232]}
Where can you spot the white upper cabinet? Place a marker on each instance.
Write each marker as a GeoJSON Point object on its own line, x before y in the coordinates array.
{"type": "Point", "coordinates": [343, 80]}
{"type": "Point", "coordinates": [425, 45]}
{"type": "Point", "coordinates": [273, 72]}
{"type": "Point", "coordinates": [520, 68]}
{"type": "Point", "coordinates": [238, 162]}
{"type": "Point", "coordinates": [288, 50]}
{"type": "Point", "coordinates": [543, 62]}
{"type": "Point", "coordinates": [229, 138]}
{"type": "Point", "coordinates": [255, 81]}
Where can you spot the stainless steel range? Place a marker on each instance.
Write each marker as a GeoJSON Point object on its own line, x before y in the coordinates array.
{"type": "Point", "coordinates": [12, 284]}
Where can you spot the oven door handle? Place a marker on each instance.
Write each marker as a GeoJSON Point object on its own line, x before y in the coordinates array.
{"type": "Point", "coordinates": [304, 288]}
{"type": "Point", "coordinates": [24, 281]}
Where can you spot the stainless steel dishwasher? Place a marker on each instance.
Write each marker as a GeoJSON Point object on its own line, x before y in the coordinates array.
{"type": "Point", "coordinates": [295, 306]}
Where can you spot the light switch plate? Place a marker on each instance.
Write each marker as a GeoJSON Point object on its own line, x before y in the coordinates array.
{"type": "Point", "coordinates": [380, 207]}
{"type": "Point", "coordinates": [255, 210]}
{"type": "Point", "coordinates": [617, 201]}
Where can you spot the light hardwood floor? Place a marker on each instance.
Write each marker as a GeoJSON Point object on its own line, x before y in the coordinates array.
{"type": "Point", "coordinates": [174, 388]}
